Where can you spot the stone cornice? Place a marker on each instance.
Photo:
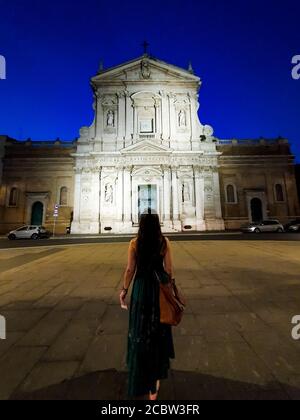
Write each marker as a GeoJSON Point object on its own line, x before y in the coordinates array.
{"type": "Point", "coordinates": [239, 157]}
{"type": "Point", "coordinates": [122, 161]}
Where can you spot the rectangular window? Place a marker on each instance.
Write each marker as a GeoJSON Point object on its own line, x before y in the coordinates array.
{"type": "Point", "coordinates": [146, 126]}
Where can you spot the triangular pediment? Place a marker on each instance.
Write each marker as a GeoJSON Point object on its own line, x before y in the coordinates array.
{"type": "Point", "coordinates": [146, 147]}
{"type": "Point", "coordinates": [145, 69]}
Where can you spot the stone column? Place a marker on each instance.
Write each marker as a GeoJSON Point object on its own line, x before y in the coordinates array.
{"type": "Point", "coordinates": [169, 117]}
{"type": "Point", "coordinates": [93, 128]}
{"type": "Point", "coordinates": [135, 122]}
{"type": "Point", "coordinates": [165, 116]}
{"type": "Point", "coordinates": [217, 193]}
{"type": "Point", "coordinates": [119, 197]}
{"type": "Point", "coordinates": [194, 122]}
{"type": "Point", "coordinates": [127, 197]}
{"type": "Point", "coordinates": [75, 228]}
{"type": "Point", "coordinates": [199, 196]}
{"type": "Point", "coordinates": [129, 119]}
{"type": "Point", "coordinates": [172, 97]}
{"type": "Point", "coordinates": [95, 205]}
{"type": "Point", "coordinates": [175, 200]}
{"type": "Point", "coordinates": [173, 122]}
{"type": "Point", "coordinates": [290, 193]}
{"type": "Point", "coordinates": [121, 119]}
{"type": "Point", "coordinates": [99, 117]}
{"type": "Point", "coordinates": [157, 120]}
{"type": "Point", "coordinates": [191, 119]}
{"type": "Point", "coordinates": [167, 197]}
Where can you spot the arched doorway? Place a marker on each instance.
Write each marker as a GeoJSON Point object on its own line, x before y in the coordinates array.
{"type": "Point", "coordinates": [256, 210]}
{"type": "Point", "coordinates": [37, 213]}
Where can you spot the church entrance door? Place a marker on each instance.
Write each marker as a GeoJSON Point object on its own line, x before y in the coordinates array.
{"type": "Point", "coordinates": [147, 199]}
{"type": "Point", "coordinates": [37, 213]}
{"type": "Point", "coordinates": [256, 210]}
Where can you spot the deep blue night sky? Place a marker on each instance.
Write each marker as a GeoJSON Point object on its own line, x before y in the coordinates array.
{"type": "Point", "coordinates": [242, 50]}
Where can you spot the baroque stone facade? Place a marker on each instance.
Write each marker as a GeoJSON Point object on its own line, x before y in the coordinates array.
{"type": "Point", "coordinates": [146, 148]}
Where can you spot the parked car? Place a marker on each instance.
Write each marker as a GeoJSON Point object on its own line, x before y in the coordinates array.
{"type": "Point", "coordinates": [264, 226]}
{"type": "Point", "coordinates": [29, 232]}
{"type": "Point", "coordinates": [293, 226]}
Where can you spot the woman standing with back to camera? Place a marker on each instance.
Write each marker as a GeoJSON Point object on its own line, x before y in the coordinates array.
{"type": "Point", "coordinates": [150, 343]}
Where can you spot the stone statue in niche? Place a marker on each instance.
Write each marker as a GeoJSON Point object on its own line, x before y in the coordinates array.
{"type": "Point", "coordinates": [146, 73]}
{"type": "Point", "coordinates": [186, 195]}
{"type": "Point", "coordinates": [182, 118]}
{"type": "Point", "coordinates": [109, 193]}
{"type": "Point", "coordinates": [110, 121]}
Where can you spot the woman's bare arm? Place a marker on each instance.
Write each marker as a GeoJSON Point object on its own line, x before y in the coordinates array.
{"type": "Point", "coordinates": [131, 267]}
{"type": "Point", "coordinates": [168, 260]}
{"type": "Point", "coordinates": [128, 275]}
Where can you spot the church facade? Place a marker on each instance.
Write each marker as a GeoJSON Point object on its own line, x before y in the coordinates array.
{"type": "Point", "coordinates": [146, 150]}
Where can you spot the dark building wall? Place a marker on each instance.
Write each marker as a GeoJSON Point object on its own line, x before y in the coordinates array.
{"type": "Point", "coordinates": [38, 170]}
{"type": "Point", "coordinates": [297, 172]}
{"type": "Point", "coordinates": [255, 168]}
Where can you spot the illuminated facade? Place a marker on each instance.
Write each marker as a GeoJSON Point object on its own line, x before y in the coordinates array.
{"type": "Point", "coordinates": [146, 149]}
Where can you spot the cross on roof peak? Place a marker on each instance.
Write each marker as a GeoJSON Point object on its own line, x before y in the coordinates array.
{"type": "Point", "coordinates": [145, 46]}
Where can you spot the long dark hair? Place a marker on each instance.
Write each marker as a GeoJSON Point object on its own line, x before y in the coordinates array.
{"type": "Point", "coordinates": [150, 240]}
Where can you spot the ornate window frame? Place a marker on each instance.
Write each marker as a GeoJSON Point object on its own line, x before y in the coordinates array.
{"type": "Point", "coordinates": [59, 196]}
{"type": "Point", "coordinates": [8, 201]}
{"type": "Point", "coordinates": [231, 184]}
{"type": "Point", "coordinates": [283, 193]}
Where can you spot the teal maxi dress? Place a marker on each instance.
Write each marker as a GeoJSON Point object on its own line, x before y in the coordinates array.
{"type": "Point", "coordinates": [150, 343]}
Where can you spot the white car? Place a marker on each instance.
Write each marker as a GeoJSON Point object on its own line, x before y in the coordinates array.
{"type": "Point", "coordinates": [29, 232]}
{"type": "Point", "coordinates": [293, 226]}
{"type": "Point", "coordinates": [264, 226]}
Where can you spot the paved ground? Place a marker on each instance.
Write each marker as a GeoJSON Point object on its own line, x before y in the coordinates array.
{"type": "Point", "coordinates": [67, 336]}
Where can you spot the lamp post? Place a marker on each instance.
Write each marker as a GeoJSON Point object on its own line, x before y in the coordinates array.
{"type": "Point", "coordinates": [55, 215]}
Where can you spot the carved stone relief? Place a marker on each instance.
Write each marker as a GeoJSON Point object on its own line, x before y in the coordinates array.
{"type": "Point", "coordinates": [109, 194]}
